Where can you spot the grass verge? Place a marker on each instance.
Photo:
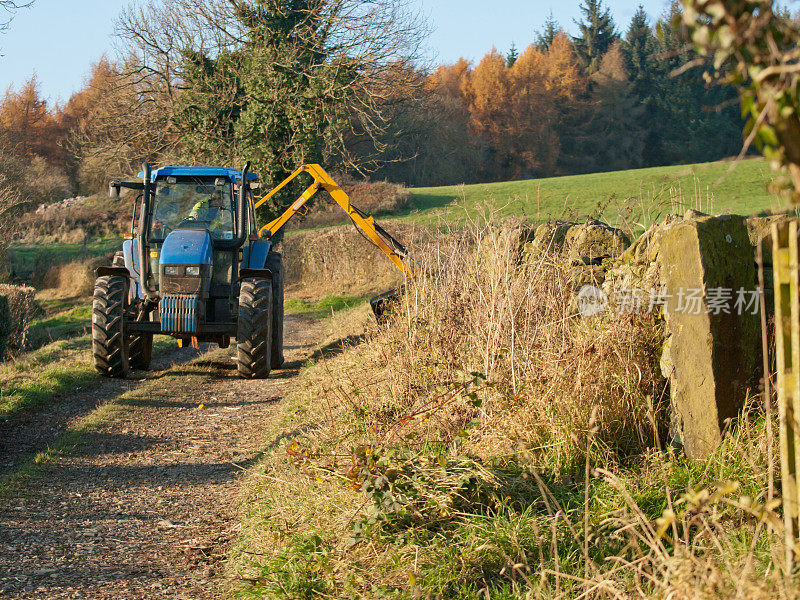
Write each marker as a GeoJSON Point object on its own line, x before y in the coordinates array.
{"type": "Point", "coordinates": [326, 307]}
{"type": "Point", "coordinates": [64, 319]}
{"type": "Point", "coordinates": [487, 442]}
{"type": "Point", "coordinates": [27, 259]}
{"type": "Point", "coordinates": [40, 377]}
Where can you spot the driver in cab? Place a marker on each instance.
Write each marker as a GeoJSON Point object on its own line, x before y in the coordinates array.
{"type": "Point", "coordinates": [211, 210]}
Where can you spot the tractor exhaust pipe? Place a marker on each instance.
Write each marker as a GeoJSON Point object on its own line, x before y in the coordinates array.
{"type": "Point", "coordinates": [241, 229]}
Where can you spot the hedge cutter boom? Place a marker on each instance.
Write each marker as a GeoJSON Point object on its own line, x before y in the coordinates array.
{"type": "Point", "coordinates": [374, 232]}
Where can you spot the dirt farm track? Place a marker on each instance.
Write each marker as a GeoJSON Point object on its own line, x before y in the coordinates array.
{"type": "Point", "coordinates": [144, 505]}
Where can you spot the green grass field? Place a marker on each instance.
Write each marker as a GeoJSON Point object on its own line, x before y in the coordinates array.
{"type": "Point", "coordinates": [635, 196]}
{"type": "Point", "coordinates": [27, 258]}
{"type": "Point", "coordinates": [74, 321]}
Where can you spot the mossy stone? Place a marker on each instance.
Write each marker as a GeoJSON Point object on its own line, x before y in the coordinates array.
{"type": "Point", "coordinates": [715, 354]}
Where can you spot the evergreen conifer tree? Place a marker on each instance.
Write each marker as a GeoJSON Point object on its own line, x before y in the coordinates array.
{"type": "Point", "coordinates": [639, 46]}
{"type": "Point", "coordinates": [545, 37]}
{"type": "Point", "coordinates": [512, 56]}
{"type": "Point", "coordinates": [597, 33]}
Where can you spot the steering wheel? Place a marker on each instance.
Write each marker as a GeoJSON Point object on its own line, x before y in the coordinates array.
{"type": "Point", "coordinates": [191, 220]}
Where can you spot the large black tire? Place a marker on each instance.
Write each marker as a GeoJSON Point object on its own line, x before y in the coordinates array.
{"type": "Point", "coordinates": [254, 335]}
{"type": "Point", "coordinates": [140, 351]}
{"type": "Point", "coordinates": [275, 265]}
{"type": "Point", "coordinates": [109, 342]}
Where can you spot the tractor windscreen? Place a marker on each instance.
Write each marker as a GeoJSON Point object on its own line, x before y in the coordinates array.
{"type": "Point", "coordinates": [195, 203]}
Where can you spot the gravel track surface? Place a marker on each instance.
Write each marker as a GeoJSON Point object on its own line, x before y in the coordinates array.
{"type": "Point", "coordinates": [145, 505]}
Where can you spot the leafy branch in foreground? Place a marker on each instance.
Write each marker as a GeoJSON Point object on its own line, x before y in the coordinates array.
{"type": "Point", "coordinates": [752, 44]}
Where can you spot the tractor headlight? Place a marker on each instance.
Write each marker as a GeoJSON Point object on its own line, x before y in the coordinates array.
{"type": "Point", "coordinates": [172, 271]}
{"type": "Point", "coordinates": [193, 271]}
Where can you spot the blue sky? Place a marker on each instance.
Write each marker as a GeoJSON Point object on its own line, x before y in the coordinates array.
{"type": "Point", "coordinates": [59, 39]}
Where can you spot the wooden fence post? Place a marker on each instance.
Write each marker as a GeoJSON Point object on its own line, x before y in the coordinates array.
{"type": "Point", "coordinates": [786, 265]}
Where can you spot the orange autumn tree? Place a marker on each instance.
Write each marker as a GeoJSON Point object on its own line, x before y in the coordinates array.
{"type": "Point", "coordinates": [568, 88]}
{"type": "Point", "coordinates": [26, 124]}
{"type": "Point", "coordinates": [523, 111]}
{"type": "Point", "coordinates": [534, 143]}
{"type": "Point", "coordinates": [564, 78]}
{"type": "Point", "coordinates": [487, 89]}
{"type": "Point", "coordinates": [450, 79]}
{"type": "Point", "coordinates": [31, 153]}
{"type": "Point", "coordinates": [101, 82]}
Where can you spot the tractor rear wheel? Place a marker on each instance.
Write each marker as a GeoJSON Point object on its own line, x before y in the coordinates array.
{"type": "Point", "coordinates": [254, 335]}
{"type": "Point", "coordinates": [275, 265]}
{"type": "Point", "coordinates": [109, 342]}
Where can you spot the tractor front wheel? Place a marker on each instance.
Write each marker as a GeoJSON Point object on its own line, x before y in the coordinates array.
{"type": "Point", "coordinates": [254, 336]}
{"type": "Point", "coordinates": [109, 342]}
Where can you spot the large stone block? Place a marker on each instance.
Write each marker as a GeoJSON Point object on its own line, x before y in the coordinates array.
{"type": "Point", "coordinates": [715, 349]}
{"type": "Point", "coordinates": [592, 242]}
{"type": "Point", "coordinates": [586, 248]}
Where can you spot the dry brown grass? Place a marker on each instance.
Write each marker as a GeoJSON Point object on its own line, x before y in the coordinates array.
{"type": "Point", "coordinates": [73, 279]}
{"type": "Point", "coordinates": [477, 308]}
{"type": "Point", "coordinates": [339, 260]}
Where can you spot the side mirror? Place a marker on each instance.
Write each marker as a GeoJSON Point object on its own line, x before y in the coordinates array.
{"type": "Point", "coordinates": [113, 189]}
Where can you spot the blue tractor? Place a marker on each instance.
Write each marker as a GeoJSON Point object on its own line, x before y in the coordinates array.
{"type": "Point", "coordinates": [196, 266]}
{"type": "Point", "coordinates": [193, 267]}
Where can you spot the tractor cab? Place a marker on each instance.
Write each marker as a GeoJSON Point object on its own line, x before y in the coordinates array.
{"type": "Point", "coordinates": [193, 203]}
{"type": "Point", "coordinates": [195, 238]}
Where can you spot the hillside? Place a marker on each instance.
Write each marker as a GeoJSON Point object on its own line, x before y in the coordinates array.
{"type": "Point", "coordinates": [638, 195]}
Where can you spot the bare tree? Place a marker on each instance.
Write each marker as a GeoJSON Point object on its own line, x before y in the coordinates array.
{"type": "Point", "coordinates": [372, 40]}
{"type": "Point", "coordinates": [7, 10]}
{"type": "Point", "coordinates": [118, 121]}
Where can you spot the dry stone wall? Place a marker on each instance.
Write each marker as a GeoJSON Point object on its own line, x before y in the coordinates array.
{"type": "Point", "coordinates": [698, 274]}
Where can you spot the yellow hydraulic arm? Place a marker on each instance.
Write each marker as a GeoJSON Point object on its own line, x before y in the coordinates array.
{"type": "Point", "coordinates": [376, 234]}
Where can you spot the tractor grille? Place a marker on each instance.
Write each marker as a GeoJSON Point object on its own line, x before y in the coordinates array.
{"type": "Point", "coordinates": [179, 313]}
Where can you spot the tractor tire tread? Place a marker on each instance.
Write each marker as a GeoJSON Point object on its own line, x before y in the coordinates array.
{"type": "Point", "coordinates": [254, 336]}
{"type": "Point", "coordinates": [108, 335]}
{"type": "Point", "coordinates": [140, 351]}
